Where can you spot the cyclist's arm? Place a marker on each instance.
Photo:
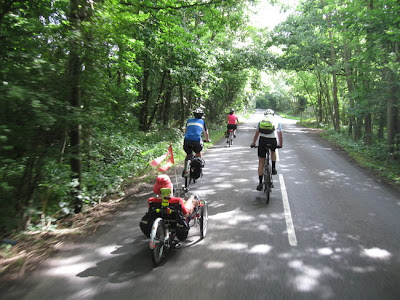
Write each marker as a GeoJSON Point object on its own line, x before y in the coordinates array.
{"type": "Point", "coordinates": [207, 136]}
{"type": "Point", "coordinates": [255, 138]}
{"type": "Point", "coordinates": [206, 133]}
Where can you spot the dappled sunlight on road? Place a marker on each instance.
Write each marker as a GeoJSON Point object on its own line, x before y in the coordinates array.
{"type": "Point", "coordinates": [376, 253]}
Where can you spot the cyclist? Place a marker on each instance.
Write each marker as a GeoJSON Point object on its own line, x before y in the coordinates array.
{"type": "Point", "coordinates": [267, 133]}
{"type": "Point", "coordinates": [232, 120]}
{"type": "Point", "coordinates": [163, 181]}
{"type": "Point", "coordinates": [194, 128]}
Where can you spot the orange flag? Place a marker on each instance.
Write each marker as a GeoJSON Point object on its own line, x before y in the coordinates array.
{"type": "Point", "coordinates": [159, 160]}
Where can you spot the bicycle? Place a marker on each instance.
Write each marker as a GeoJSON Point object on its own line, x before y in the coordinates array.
{"type": "Point", "coordinates": [188, 172]}
{"type": "Point", "coordinates": [168, 225]}
{"type": "Point", "coordinates": [230, 137]}
{"type": "Point", "coordinates": [267, 181]}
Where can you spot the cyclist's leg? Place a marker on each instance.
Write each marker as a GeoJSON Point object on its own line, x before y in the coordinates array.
{"type": "Point", "coordinates": [273, 157]}
{"type": "Point", "coordinates": [261, 162]}
{"type": "Point", "coordinates": [197, 148]}
{"type": "Point", "coordinates": [262, 153]}
{"type": "Point", "coordinates": [273, 160]}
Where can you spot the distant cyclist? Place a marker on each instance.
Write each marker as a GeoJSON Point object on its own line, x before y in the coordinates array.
{"type": "Point", "coordinates": [266, 131]}
{"type": "Point", "coordinates": [232, 120]}
{"type": "Point", "coordinates": [194, 129]}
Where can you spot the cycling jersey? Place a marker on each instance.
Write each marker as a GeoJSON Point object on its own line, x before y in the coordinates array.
{"type": "Point", "coordinates": [272, 134]}
{"type": "Point", "coordinates": [232, 119]}
{"type": "Point", "coordinates": [194, 128]}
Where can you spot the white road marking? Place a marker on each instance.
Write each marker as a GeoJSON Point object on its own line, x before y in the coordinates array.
{"type": "Point", "coordinates": [288, 215]}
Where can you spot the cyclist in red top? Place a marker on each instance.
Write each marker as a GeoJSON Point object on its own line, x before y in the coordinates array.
{"type": "Point", "coordinates": [163, 181]}
{"type": "Point", "coordinates": [233, 120]}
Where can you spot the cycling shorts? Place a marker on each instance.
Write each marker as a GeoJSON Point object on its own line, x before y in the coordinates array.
{"type": "Point", "coordinates": [231, 126]}
{"type": "Point", "coordinates": [192, 146]}
{"type": "Point", "coordinates": [262, 146]}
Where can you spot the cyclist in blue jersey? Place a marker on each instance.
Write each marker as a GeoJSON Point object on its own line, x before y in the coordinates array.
{"type": "Point", "coordinates": [194, 129]}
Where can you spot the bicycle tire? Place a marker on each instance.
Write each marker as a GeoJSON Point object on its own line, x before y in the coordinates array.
{"type": "Point", "coordinates": [230, 138]}
{"type": "Point", "coordinates": [203, 220]}
{"type": "Point", "coordinates": [157, 241]}
{"type": "Point", "coordinates": [267, 183]}
{"type": "Point", "coordinates": [187, 174]}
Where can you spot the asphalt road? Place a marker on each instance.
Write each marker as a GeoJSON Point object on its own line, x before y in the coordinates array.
{"type": "Point", "coordinates": [330, 231]}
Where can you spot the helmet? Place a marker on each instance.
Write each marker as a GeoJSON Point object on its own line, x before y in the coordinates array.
{"type": "Point", "coordinates": [198, 113]}
{"type": "Point", "coordinates": [232, 110]}
{"type": "Point", "coordinates": [162, 181]}
{"type": "Point", "coordinates": [269, 112]}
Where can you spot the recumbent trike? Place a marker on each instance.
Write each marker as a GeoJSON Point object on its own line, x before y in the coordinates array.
{"type": "Point", "coordinates": [164, 223]}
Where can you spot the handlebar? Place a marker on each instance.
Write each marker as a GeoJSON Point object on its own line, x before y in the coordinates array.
{"type": "Point", "coordinates": [268, 146]}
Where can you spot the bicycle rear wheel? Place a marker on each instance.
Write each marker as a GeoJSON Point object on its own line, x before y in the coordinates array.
{"type": "Point", "coordinates": [230, 138]}
{"type": "Point", "coordinates": [187, 174]}
{"type": "Point", "coordinates": [267, 183]}
{"type": "Point", "coordinates": [157, 241]}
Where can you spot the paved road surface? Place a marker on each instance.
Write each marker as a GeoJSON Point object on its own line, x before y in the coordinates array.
{"type": "Point", "coordinates": [329, 232]}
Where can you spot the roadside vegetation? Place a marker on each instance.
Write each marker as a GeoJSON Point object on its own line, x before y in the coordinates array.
{"type": "Point", "coordinates": [372, 157]}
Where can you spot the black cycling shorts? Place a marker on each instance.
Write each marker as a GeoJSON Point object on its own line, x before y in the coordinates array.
{"type": "Point", "coordinates": [262, 146]}
{"type": "Point", "coordinates": [231, 126]}
{"type": "Point", "coordinates": [192, 146]}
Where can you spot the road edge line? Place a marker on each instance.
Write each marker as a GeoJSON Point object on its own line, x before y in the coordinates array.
{"type": "Point", "coordinates": [288, 215]}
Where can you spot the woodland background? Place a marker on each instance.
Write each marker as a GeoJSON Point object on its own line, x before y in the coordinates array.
{"type": "Point", "coordinates": [91, 91]}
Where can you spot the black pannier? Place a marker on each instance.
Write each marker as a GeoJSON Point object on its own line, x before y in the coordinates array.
{"type": "Point", "coordinates": [196, 167]}
{"type": "Point", "coordinates": [147, 222]}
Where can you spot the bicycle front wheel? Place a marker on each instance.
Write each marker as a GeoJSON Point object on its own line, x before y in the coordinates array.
{"type": "Point", "coordinates": [157, 241]}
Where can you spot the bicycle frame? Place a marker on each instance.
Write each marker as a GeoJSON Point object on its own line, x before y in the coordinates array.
{"type": "Point", "coordinates": [268, 181]}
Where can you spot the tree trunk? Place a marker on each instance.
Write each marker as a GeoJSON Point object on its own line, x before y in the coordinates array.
{"type": "Point", "coordinates": [74, 71]}
{"type": "Point", "coordinates": [350, 85]}
{"type": "Point", "coordinates": [144, 98]}
{"type": "Point", "coordinates": [368, 129]}
{"type": "Point", "coordinates": [391, 119]}
{"type": "Point", "coordinates": [182, 104]}
{"type": "Point", "coordinates": [167, 98]}
{"type": "Point", "coordinates": [336, 116]}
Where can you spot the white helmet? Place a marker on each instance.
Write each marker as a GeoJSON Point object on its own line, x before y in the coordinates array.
{"type": "Point", "coordinates": [269, 112]}
{"type": "Point", "coordinates": [198, 113]}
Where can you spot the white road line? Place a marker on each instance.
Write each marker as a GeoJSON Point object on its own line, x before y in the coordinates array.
{"type": "Point", "coordinates": [288, 215]}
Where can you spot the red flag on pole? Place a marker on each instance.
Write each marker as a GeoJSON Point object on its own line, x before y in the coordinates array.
{"type": "Point", "coordinates": [159, 160]}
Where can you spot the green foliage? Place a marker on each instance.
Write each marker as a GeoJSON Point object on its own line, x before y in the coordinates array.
{"type": "Point", "coordinates": [373, 158]}
{"type": "Point", "coordinates": [125, 76]}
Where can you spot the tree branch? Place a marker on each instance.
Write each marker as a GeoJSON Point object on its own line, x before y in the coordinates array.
{"type": "Point", "coordinates": [211, 2]}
